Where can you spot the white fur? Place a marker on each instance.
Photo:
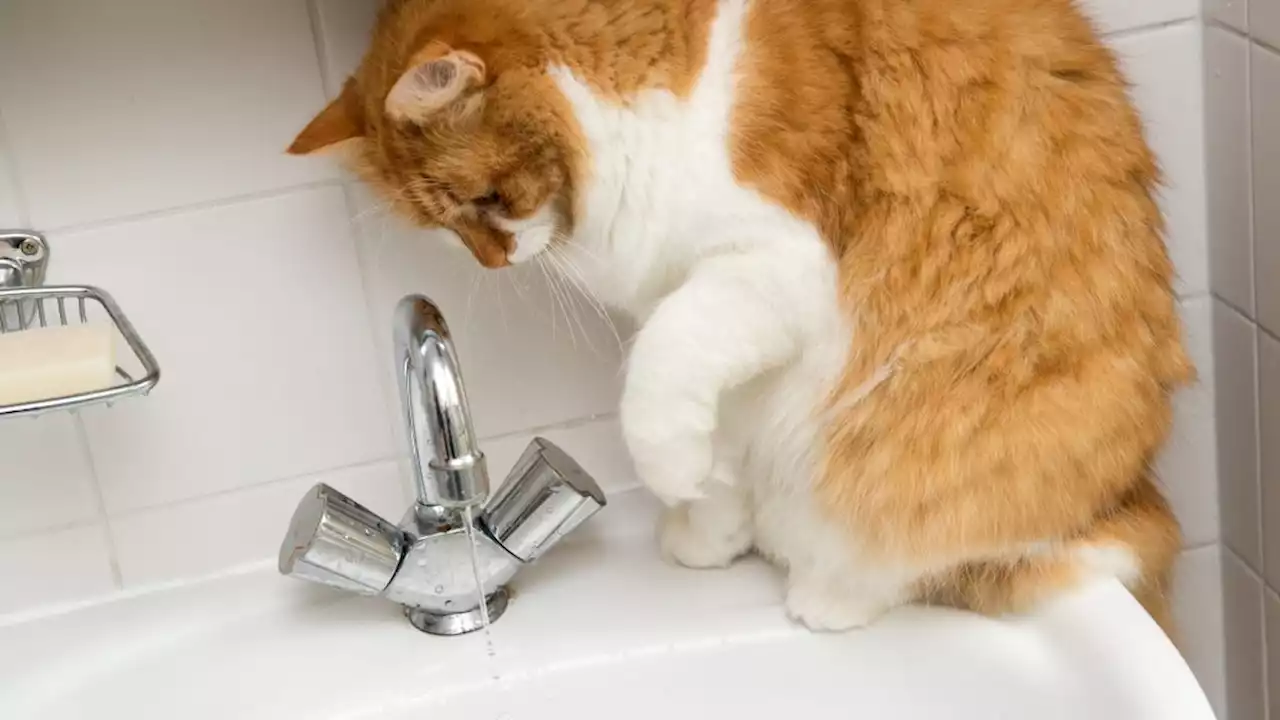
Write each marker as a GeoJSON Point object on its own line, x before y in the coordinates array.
{"type": "Point", "coordinates": [1111, 561]}
{"type": "Point", "coordinates": [742, 336]}
{"type": "Point", "coordinates": [532, 235]}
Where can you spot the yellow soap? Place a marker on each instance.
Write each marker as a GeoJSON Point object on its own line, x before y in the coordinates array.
{"type": "Point", "coordinates": [43, 363]}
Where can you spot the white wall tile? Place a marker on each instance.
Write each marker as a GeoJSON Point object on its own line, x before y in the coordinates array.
{"type": "Point", "coordinates": [1227, 166]}
{"type": "Point", "coordinates": [1233, 13]}
{"type": "Point", "coordinates": [344, 30]}
{"type": "Point", "coordinates": [1243, 624]}
{"type": "Point", "coordinates": [596, 444]}
{"type": "Point", "coordinates": [1187, 467]}
{"type": "Point", "coordinates": [54, 567]}
{"type": "Point", "coordinates": [1197, 610]}
{"type": "Point", "coordinates": [1264, 21]}
{"type": "Point", "coordinates": [202, 536]}
{"type": "Point", "coordinates": [1269, 444]}
{"type": "Point", "coordinates": [255, 313]}
{"type": "Point", "coordinates": [47, 481]}
{"type": "Point", "coordinates": [1272, 614]}
{"type": "Point", "coordinates": [1236, 400]}
{"type": "Point", "coordinates": [1266, 183]}
{"type": "Point", "coordinates": [127, 106]}
{"type": "Point", "coordinates": [1164, 66]}
{"type": "Point", "coordinates": [10, 208]}
{"type": "Point", "coordinates": [1115, 15]}
{"type": "Point", "coordinates": [525, 364]}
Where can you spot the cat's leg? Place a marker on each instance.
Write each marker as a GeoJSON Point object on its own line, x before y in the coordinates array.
{"type": "Point", "coordinates": [712, 531]}
{"type": "Point", "coordinates": [724, 326]}
{"type": "Point", "coordinates": [843, 598]}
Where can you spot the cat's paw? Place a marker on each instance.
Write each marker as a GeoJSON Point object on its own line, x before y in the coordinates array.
{"type": "Point", "coordinates": [673, 462]}
{"type": "Point", "coordinates": [819, 607]}
{"type": "Point", "coordinates": [713, 542]}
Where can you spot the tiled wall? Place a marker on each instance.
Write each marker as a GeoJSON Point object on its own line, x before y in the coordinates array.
{"type": "Point", "coordinates": [1242, 85]}
{"type": "Point", "coordinates": [145, 137]}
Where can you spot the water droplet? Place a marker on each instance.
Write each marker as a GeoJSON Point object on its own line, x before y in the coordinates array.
{"type": "Point", "coordinates": [439, 589]}
{"type": "Point", "coordinates": [448, 603]}
{"type": "Point", "coordinates": [422, 562]}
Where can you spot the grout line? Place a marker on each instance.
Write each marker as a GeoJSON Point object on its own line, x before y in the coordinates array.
{"type": "Point", "coordinates": [41, 612]}
{"type": "Point", "coordinates": [254, 486]}
{"type": "Point", "coordinates": [99, 499]}
{"type": "Point", "coordinates": [322, 48]}
{"type": "Point", "coordinates": [1126, 33]}
{"type": "Point", "coordinates": [1214, 22]}
{"type": "Point", "coordinates": [15, 180]}
{"type": "Point", "coordinates": [572, 424]}
{"type": "Point", "coordinates": [200, 206]}
{"type": "Point", "coordinates": [1232, 307]}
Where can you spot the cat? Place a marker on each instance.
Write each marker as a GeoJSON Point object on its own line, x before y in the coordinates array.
{"type": "Point", "coordinates": [906, 318]}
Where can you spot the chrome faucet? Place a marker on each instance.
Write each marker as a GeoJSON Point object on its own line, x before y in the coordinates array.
{"type": "Point", "coordinates": [456, 543]}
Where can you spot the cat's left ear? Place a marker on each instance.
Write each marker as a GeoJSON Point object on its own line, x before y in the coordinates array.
{"type": "Point", "coordinates": [436, 77]}
{"type": "Point", "coordinates": [339, 122]}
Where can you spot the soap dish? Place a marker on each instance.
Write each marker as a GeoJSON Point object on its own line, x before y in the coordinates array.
{"type": "Point", "coordinates": [24, 308]}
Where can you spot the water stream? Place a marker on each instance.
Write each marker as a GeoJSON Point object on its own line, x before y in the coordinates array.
{"type": "Point", "coordinates": [470, 525]}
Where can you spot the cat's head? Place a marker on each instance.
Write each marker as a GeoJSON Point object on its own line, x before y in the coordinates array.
{"type": "Point", "coordinates": [455, 123]}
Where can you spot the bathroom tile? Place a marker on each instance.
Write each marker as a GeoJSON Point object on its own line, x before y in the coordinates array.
{"type": "Point", "coordinates": [1164, 66]}
{"type": "Point", "coordinates": [10, 208]}
{"type": "Point", "coordinates": [54, 567]}
{"type": "Point", "coordinates": [123, 107]}
{"type": "Point", "coordinates": [344, 28]}
{"type": "Point", "coordinates": [256, 315]}
{"type": "Point", "coordinates": [1236, 413]}
{"type": "Point", "coordinates": [1187, 467]}
{"type": "Point", "coordinates": [1116, 15]}
{"type": "Point", "coordinates": [596, 444]}
{"type": "Point", "coordinates": [1269, 450]}
{"type": "Point", "coordinates": [1264, 21]}
{"type": "Point", "coordinates": [1265, 81]}
{"type": "Point", "coordinates": [1227, 166]}
{"type": "Point", "coordinates": [1243, 624]}
{"type": "Point", "coordinates": [238, 527]}
{"type": "Point", "coordinates": [528, 361]}
{"type": "Point", "coordinates": [46, 480]}
{"type": "Point", "coordinates": [1232, 13]}
{"type": "Point", "coordinates": [1197, 610]}
{"type": "Point", "coordinates": [1271, 602]}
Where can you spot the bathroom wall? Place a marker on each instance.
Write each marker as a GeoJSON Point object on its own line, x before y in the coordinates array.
{"type": "Point", "coordinates": [1242, 86]}
{"type": "Point", "coordinates": [145, 137]}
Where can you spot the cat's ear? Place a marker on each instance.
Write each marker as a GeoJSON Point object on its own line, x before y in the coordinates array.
{"type": "Point", "coordinates": [436, 77]}
{"type": "Point", "coordinates": [339, 122]}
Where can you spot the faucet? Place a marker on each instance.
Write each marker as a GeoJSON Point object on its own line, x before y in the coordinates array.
{"type": "Point", "coordinates": [450, 559]}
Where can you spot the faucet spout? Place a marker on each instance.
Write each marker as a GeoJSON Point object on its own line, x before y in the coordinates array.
{"type": "Point", "coordinates": [448, 468]}
{"type": "Point", "coordinates": [449, 561]}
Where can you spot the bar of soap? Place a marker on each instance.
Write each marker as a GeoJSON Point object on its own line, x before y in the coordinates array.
{"type": "Point", "coordinates": [52, 362]}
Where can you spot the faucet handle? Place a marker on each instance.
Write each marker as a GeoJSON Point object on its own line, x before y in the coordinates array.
{"type": "Point", "coordinates": [336, 541]}
{"type": "Point", "coordinates": [545, 496]}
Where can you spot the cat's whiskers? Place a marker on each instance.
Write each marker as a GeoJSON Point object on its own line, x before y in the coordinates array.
{"type": "Point", "coordinates": [574, 274]}
{"type": "Point", "coordinates": [571, 296]}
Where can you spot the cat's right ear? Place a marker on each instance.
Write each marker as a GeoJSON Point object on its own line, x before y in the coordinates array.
{"type": "Point", "coordinates": [436, 77]}
{"type": "Point", "coordinates": [336, 124]}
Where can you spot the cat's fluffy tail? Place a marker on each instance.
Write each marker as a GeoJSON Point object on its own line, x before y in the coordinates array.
{"type": "Point", "coordinates": [1136, 541]}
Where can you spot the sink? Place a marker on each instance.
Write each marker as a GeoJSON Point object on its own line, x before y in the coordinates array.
{"type": "Point", "coordinates": [600, 628]}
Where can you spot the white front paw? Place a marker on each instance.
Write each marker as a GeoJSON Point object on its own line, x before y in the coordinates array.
{"type": "Point", "coordinates": [818, 606]}
{"type": "Point", "coordinates": [684, 541]}
{"type": "Point", "coordinates": [673, 454]}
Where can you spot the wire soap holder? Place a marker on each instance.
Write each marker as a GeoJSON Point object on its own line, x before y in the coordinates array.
{"type": "Point", "coordinates": [26, 303]}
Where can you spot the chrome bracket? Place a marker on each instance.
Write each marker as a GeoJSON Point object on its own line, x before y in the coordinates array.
{"type": "Point", "coordinates": [23, 258]}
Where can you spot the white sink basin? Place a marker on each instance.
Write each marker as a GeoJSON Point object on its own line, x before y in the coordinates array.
{"type": "Point", "coordinates": [600, 628]}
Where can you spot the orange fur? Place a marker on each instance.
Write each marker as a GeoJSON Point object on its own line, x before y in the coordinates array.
{"type": "Point", "coordinates": [983, 182]}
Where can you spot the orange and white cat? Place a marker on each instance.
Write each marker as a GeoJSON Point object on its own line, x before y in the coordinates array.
{"type": "Point", "coordinates": [906, 319]}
